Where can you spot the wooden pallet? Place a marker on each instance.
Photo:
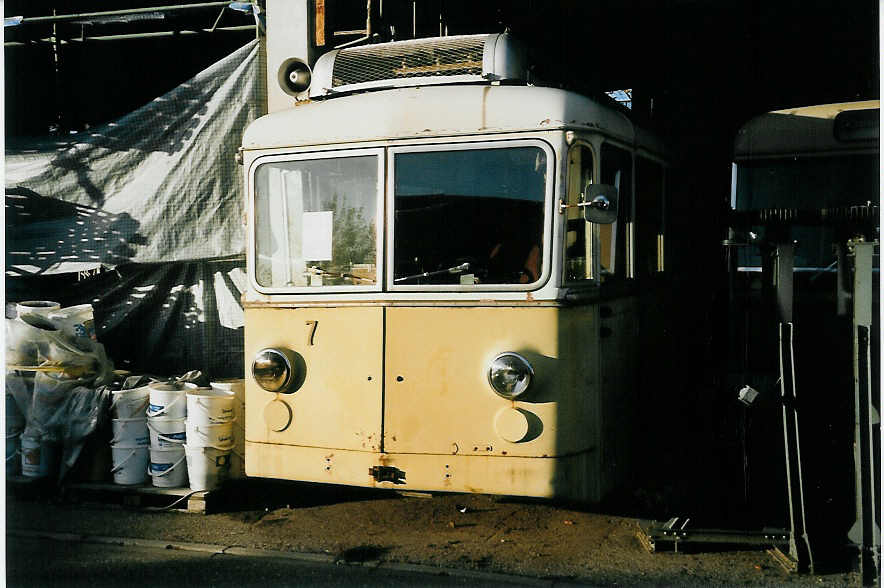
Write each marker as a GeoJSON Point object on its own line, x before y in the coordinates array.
{"type": "Point", "coordinates": [144, 496]}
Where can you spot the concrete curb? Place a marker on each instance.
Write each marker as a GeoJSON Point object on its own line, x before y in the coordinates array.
{"type": "Point", "coordinates": [314, 558]}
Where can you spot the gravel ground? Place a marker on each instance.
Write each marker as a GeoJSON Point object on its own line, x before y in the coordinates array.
{"type": "Point", "coordinates": [476, 532]}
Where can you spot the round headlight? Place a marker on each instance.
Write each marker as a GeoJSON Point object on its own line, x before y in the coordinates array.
{"type": "Point", "coordinates": [273, 370]}
{"type": "Point", "coordinates": [510, 375]}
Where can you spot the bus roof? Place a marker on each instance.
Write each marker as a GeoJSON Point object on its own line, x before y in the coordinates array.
{"type": "Point", "coordinates": [437, 111]}
{"type": "Point", "coordinates": [803, 130]}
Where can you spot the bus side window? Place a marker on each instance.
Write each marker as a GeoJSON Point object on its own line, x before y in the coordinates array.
{"type": "Point", "coordinates": [648, 217]}
{"type": "Point", "coordinates": [617, 171]}
{"type": "Point", "coordinates": [578, 232]}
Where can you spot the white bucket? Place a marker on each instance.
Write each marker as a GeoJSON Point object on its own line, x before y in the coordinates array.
{"type": "Point", "coordinates": [130, 431]}
{"type": "Point", "coordinates": [15, 420]}
{"type": "Point", "coordinates": [167, 400]}
{"type": "Point", "coordinates": [131, 403]}
{"type": "Point", "coordinates": [39, 307]}
{"type": "Point", "coordinates": [75, 321]}
{"type": "Point", "coordinates": [130, 464]}
{"type": "Point", "coordinates": [217, 435]}
{"type": "Point", "coordinates": [237, 386]}
{"type": "Point", "coordinates": [206, 406]}
{"type": "Point", "coordinates": [39, 459]}
{"type": "Point", "coordinates": [166, 432]}
{"type": "Point", "coordinates": [13, 454]}
{"type": "Point", "coordinates": [168, 467]}
{"type": "Point", "coordinates": [207, 467]}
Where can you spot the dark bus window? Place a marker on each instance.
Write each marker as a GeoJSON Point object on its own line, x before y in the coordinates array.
{"type": "Point", "coordinates": [617, 171]}
{"type": "Point", "coordinates": [469, 216]}
{"type": "Point", "coordinates": [648, 216]}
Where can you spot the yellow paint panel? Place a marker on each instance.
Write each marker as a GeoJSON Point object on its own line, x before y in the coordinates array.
{"type": "Point", "coordinates": [438, 399]}
{"type": "Point", "coordinates": [569, 477]}
{"type": "Point", "coordinates": [339, 403]}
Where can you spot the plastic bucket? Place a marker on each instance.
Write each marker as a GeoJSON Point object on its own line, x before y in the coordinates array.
{"type": "Point", "coordinates": [217, 435]}
{"type": "Point", "coordinates": [130, 464]}
{"type": "Point", "coordinates": [131, 403]}
{"type": "Point", "coordinates": [206, 406]}
{"type": "Point", "coordinates": [39, 307]}
{"type": "Point", "coordinates": [13, 454]}
{"type": "Point", "coordinates": [39, 459]}
{"type": "Point", "coordinates": [167, 400]}
{"type": "Point", "coordinates": [15, 420]}
{"type": "Point", "coordinates": [168, 467]}
{"type": "Point", "coordinates": [130, 431]}
{"type": "Point", "coordinates": [166, 432]}
{"type": "Point", "coordinates": [207, 467]}
{"type": "Point", "coordinates": [237, 386]}
{"type": "Point", "coordinates": [75, 321]}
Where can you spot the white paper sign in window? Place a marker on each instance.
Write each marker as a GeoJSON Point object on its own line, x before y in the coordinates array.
{"type": "Point", "coordinates": [317, 235]}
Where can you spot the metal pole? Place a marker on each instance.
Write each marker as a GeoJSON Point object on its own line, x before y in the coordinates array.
{"type": "Point", "coordinates": [84, 15]}
{"type": "Point", "coordinates": [56, 66]}
{"type": "Point", "coordinates": [133, 36]}
{"type": "Point", "coordinates": [799, 542]}
{"type": "Point", "coordinates": [865, 532]}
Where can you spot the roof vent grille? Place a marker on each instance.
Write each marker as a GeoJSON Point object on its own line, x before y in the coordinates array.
{"type": "Point", "coordinates": [448, 56]}
{"type": "Point", "coordinates": [441, 60]}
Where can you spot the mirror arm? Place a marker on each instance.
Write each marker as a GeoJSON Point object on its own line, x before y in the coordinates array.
{"type": "Point", "coordinates": [596, 203]}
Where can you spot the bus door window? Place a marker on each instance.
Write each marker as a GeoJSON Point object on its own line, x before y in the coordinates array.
{"type": "Point", "coordinates": [578, 232]}
{"type": "Point", "coordinates": [648, 217]}
{"type": "Point", "coordinates": [616, 170]}
{"type": "Point", "coordinates": [469, 216]}
{"type": "Point", "coordinates": [316, 222]}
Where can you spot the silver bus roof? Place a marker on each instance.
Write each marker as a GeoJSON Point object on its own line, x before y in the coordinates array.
{"type": "Point", "coordinates": [804, 130]}
{"type": "Point", "coordinates": [433, 111]}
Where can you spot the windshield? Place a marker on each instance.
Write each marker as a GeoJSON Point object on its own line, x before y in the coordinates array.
{"type": "Point", "coordinates": [316, 222]}
{"type": "Point", "coordinates": [469, 216]}
{"type": "Point", "coordinates": [808, 183]}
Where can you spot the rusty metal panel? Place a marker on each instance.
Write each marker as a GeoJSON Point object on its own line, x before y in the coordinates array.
{"type": "Point", "coordinates": [564, 477]}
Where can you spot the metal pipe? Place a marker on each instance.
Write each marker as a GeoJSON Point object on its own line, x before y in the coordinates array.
{"type": "Point", "coordinates": [133, 36]}
{"type": "Point", "coordinates": [367, 29]}
{"type": "Point", "coordinates": [67, 17]}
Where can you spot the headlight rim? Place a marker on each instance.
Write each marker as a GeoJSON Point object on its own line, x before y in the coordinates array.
{"type": "Point", "coordinates": [530, 373]}
{"type": "Point", "coordinates": [289, 368]}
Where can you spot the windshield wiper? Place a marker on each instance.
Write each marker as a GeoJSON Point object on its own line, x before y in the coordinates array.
{"type": "Point", "coordinates": [457, 269]}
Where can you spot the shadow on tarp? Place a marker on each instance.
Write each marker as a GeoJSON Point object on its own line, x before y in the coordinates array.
{"type": "Point", "coordinates": [161, 319]}
{"type": "Point", "coordinates": [43, 233]}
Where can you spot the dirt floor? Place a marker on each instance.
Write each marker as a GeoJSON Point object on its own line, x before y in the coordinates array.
{"type": "Point", "coordinates": [481, 532]}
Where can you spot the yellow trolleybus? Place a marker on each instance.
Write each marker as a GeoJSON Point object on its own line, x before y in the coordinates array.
{"type": "Point", "coordinates": [440, 259]}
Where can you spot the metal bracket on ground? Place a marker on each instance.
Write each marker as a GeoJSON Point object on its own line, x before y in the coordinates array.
{"type": "Point", "coordinates": [654, 535]}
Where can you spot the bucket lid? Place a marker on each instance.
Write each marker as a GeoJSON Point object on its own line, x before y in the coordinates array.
{"type": "Point", "coordinates": [38, 304]}
{"type": "Point", "coordinates": [196, 448]}
{"type": "Point", "coordinates": [164, 387]}
{"type": "Point", "coordinates": [130, 390]}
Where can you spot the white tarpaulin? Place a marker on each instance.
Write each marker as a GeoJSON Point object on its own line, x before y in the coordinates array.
{"type": "Point", "coordinates": [158, 196]}
{"type": "Point", "coordinates": [158, 185]}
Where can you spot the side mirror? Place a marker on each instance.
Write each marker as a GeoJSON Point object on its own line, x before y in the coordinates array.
{"type": "Point", "coordinates": [600, 204]}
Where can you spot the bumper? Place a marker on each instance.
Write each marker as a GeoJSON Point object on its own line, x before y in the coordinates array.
{"type": "Point", "coordinates": [573, 477]}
